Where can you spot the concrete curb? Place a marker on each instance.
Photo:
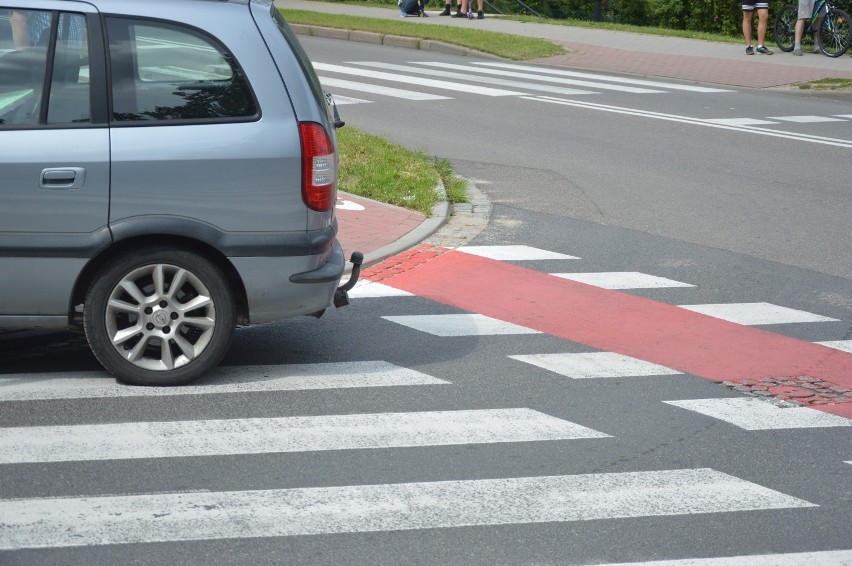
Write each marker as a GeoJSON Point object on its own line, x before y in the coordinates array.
{"type": "Point", "coordinates": [389, 40]}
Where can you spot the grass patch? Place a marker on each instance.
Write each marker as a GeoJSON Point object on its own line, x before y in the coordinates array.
{"type": "Point", "coordinates": [372, 167]}
{"type": "Point", "coordinates": [648, 30]}
{"type": "Point", "coordinates": [827, 84]}
{"type": "Point", "coordinates": [514, 47]}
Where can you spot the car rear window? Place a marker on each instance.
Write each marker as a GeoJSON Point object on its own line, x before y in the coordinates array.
{"type": "Point", "coordinates": [165, 72]}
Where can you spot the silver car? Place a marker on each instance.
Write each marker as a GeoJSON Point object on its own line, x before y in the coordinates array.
{"type": "Point", "coordinates": [168, 170]}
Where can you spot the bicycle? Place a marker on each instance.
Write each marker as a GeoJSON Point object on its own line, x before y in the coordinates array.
{"type": "Point", "coordinates": [829, 24]}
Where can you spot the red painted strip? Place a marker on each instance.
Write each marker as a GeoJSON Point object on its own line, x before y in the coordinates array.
{"type": "Point", "coordinates": [613, 321]}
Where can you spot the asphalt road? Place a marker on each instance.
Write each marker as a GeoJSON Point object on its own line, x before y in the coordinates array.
{"type": "Point", "coordinates": [646, 161]}
{"type": "Point", "coordinates": [403, 430]}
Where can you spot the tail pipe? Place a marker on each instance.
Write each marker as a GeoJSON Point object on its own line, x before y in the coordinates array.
{"type": "Point", "coordinates": [341, 296]}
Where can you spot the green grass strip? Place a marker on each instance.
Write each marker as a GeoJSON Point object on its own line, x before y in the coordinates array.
{"type": "Point", "coordinates": [514, 47]}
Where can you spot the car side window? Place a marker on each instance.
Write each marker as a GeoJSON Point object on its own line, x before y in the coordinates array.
{"type": "Point", "coordinates": [36, 38]}
{"type": "Point", "coordinates": [165, 72]}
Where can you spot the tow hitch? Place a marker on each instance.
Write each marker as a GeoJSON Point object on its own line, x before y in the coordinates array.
{"type": "Point", "coordinates": [341, 296]}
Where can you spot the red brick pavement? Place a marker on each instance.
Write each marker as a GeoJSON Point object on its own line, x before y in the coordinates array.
{"type": "Point", "coordinates": [366, 225]}
{"type": "Point", "coordinates": [751, 72]}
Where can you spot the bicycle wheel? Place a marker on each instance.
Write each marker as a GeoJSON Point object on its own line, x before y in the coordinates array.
{"type": "Point", "coordinates": [785, 27]}
{"type": "Point", "coordinates": [833, 33]}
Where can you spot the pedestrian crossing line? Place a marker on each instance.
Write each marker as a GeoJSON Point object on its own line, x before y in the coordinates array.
{"type": "Point", "coordinates": [177, 439]}
{"type": "Point", "coordinates": [751, 413]}
{"type": "Point", "coordinates": [513, 253]}
{"type": "Point", "coordinates": [378, 89]}
{"type": "Point", "coordinates": [542, 78]}
{"type": "Point", "coordinates": [341, 100]}
{"type": "Point", "coordinates": [805, 119]}
{"type": "Point", "coordinates": [823, 557]}
{"type": "Point", "coordinates": [754, 314]}
{"type": "Point", "coordinates": [694, 121]}
{"type": "Point", "coordinates": [741, 122]}
{"type": "Point", "coordinates": [842, 345]}
{"type": "Point", "coordinates": [591, 365]}
{"type": "Point", "coordinates": [474, 78]}
{"type": "Point", "coordinates": [459, 325]}
{"type": "Point", "coordinates": [622, 280]}
{"type": "Point", "coordinates": [69, 522]}
{"type": "Point", "coordinates": [446, 85]}
{"type": "Point", "coordinates": [365, 288]}
{"type": "Point", "coordinates": [222, 380]}
{"type": "Point", "coordinates": [598, 77]}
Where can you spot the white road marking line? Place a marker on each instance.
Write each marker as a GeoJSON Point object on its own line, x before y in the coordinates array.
{"type": "Point", "coordinates": [541, 78]}
{"type": "Point", "coordinates": [445, 85]}
{"type": "Point", "coordinates": [622, 280]}
{"type": "Point", "coordinates": [236, 379]}
{"type": "Point", "coordinates": [341, 100]}
{"type": "Point", "coordinates": [591, 365]}
{"type": "Point", "coordinates": [598, 77]}
{"type": "Point", "coordinates": [842, 345]}
{"type": "Point", "coordinates": [751, 413]}
{"type": "Point", "coordinates": [822, 140]}
{"type": "Point", "coordinates": [844, 116]}
{"type": "Point", "coordinates": [459, 325]}
{"type": "Point", "coordinates": [178, 439]}
{"type": "Point", "coordinates": [365, 288]}
{"type": "Point", "coordinates": [741, 122]}
{"type": "Point", "coordinates": [513, 253]}
{"type": "Point", "coordinates": [753, 314]}
{"type": "Point", "coordinates": [378, 89]}
{"type": "Point", "coordinates": [805, 119]}
{"type": "Point", "coordinates": [64, 522]}
{"type": "Point", "coordinates": [473, 78]}
{"type": "Point", "coordinates": [824, 558]}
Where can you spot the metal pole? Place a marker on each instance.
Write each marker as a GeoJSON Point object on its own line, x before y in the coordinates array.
{"type": "Point", "coordinates": [596, 15]}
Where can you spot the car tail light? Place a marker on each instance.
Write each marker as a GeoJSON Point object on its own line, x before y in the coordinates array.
{"type": "Point", "coordinates": [319, 167]}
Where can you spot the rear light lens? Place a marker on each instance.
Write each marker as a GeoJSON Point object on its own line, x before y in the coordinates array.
{"type": "Point", "coordinates": [319, 167]}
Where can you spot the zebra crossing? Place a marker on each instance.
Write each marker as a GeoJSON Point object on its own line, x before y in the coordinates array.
{"type": "Point", "coordinates": [481, 78]}
{"type": "Point", "coordinates": [94, 520]}
{"type": "Point", "coordinates": [528, 82]}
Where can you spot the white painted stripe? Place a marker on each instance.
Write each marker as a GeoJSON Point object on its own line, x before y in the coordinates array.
{"type": "Point", "coordinates": [541, 78]}
{"type": "Point", "coordinates": [63, 522]}
{"type": "Point", "coordinates": [341, 100]}
{"type": "Point", "coordinates": [822, 140]}
{"type": "Point", "coordinates": [805, 119]}
{"type": "Point", "coordinates": [591, 365]}
{"type": "Point", "coordinates": [473, 78]}
{"type": "Point", "coordinates": [378, 89]}
{"type": "Point", "coordinates": [752, 314]}
{"type": "Point", "coordinates": [365, 288]}
{"type": "Point", "coordinates": [459, 325]}
{"type": "Point", "coordinates": [740, 122]}
{"type": "Point", "coordinates": [236, 379]}
{"type": "Point", "coordinates": [822, 558]}
{"type": "Point", "coordinates": [752, 413]}
{"type": "Point", "coordinates": [598, 77]}
{"type": "Point", "coordinates": [445, 85]}
{"type": "Point", "coordinates": [118, 441]}
{"type": "Point", "coordinates": [844, 116]}
{"type": "Point", "coordinates": [842, 345]}
{"type": "Point", "coordinates": [622, 280]}
{"type": "Point", "coordinates": [513, 253]}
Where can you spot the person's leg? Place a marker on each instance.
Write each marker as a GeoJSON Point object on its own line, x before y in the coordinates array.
{"type": "Point", "coordinates": [462, 12]}
{"type": "Point", "coordinates": [481, 14]}
{"type": "Point", "coordinates": [762, 22]}
{"type": "Point", "coordinates": [747, 25]}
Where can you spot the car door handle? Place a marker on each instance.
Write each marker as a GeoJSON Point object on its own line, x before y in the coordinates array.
{"type": "Point", "coordinates": [61, 178]}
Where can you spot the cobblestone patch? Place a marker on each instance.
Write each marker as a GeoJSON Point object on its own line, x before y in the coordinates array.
{"type": "Point", "coordinates": [796, 390]}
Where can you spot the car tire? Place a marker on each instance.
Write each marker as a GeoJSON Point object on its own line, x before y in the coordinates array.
{"type": "Point", "coordinates": [159, 317]}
